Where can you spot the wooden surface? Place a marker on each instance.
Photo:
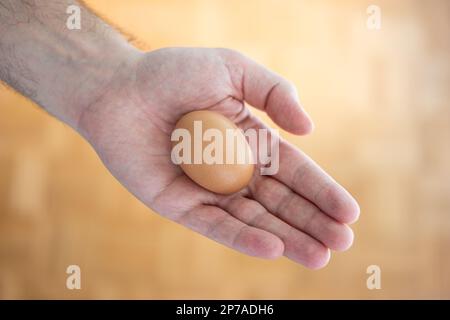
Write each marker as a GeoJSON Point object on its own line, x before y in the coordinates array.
{"type": "Point", "coordinates": [380, 100]}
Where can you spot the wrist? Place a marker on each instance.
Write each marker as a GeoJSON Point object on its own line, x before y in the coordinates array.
{"type": "Point", "coordinates": [62, 70]}
{"type": "Point", "coordinates": [96, 74]}
{"type": "Point", "coordinates": [109, 90]}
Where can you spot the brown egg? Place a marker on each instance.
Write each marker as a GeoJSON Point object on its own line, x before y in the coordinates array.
{"type": "Point", "coordinates": [213, 152]}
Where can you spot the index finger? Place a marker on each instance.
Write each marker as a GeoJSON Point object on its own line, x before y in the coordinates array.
{"type": "Point", "coordinates": [306, 178]}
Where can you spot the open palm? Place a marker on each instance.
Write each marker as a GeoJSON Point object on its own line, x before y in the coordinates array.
{"type": "Point", "coordinates": [300, 212]}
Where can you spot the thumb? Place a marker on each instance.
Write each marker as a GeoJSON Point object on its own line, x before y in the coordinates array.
{"type": "Point", "coordinates": [267, 91]}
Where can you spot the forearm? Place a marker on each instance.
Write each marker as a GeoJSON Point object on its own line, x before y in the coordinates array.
{"type": "Point", "coordinates": [62, 70]}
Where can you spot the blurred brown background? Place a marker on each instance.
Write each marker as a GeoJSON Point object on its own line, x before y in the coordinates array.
{"type": "Point", "coordinates": [380, 100]}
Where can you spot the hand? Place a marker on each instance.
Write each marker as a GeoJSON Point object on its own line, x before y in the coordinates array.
{"type": "Point", "coordinates": [300, 212]}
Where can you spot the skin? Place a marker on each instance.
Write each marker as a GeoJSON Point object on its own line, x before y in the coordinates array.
{"type": "Point", "coordinates": [126, 104]}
